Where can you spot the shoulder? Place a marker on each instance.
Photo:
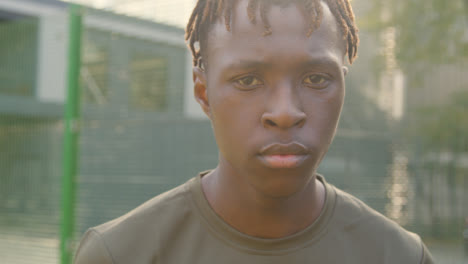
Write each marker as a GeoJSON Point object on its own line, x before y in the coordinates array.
{"type": "Point", "coordinates": [375, 231]}
{"type": "Point", "coordinates": [141, 231]}
{"type": "Point", "coordinates": [92, 250]}
{"type": "Point", "coordinates": [160, 209]}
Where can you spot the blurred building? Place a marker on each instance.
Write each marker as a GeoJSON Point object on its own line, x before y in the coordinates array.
{"type": "Point", "coordinates": [132, 69]}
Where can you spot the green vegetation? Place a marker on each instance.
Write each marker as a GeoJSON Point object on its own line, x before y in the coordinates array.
{"type": "Point", "coordinates": [428, 31]}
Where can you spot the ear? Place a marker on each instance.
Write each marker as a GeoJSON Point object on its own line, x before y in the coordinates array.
{"type": "Point", "coordinates": [345, 70]}
{"type": "Point", "coordinates": [200, 91]}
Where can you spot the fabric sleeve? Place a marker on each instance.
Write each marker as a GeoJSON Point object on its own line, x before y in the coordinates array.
{"type": "Point", "coordinates": [426, 257]}
{"type": "Point", "coordinates": [93, 250]}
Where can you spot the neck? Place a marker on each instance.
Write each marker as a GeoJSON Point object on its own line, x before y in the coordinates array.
{"type": "Point", "coordinates": [257, 214]}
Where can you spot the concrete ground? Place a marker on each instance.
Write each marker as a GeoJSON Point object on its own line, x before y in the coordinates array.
{"type": "Point", "coordinates": [21, 249]}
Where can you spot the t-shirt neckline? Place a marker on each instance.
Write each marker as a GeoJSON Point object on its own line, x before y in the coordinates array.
{"type": "Point", "coordinates": [278, 246]}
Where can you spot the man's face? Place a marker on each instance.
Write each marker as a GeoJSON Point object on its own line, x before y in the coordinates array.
{"type": "Point", "coordinates": [274, 101]}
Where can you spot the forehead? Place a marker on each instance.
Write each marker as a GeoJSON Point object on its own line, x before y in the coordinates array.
{"type": "Point", "coordinates": [289, 29]}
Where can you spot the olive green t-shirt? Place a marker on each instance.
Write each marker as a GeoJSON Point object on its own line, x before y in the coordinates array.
{"type": "Point", "coordinates": [180, 227]}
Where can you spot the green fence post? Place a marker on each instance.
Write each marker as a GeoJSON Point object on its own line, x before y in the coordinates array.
{"type": "Point", "coordinates": [70, 151]}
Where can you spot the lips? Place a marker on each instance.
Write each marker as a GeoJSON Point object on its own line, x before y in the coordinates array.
{"type": "Point", "coordinates": [284, 156]}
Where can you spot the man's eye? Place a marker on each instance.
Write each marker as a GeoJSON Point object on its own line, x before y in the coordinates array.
{"type": "Point", "coordinates": [317, 80]}
{"type": "Point", "coordinates": [249, 81]}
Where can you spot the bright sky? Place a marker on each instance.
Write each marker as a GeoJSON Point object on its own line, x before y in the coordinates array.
{"type": "Point", "coordinates": [174, 12]}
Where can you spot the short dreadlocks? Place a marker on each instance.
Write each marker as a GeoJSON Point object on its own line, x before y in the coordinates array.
{"type": "Point", "coordinates": [207, 12]}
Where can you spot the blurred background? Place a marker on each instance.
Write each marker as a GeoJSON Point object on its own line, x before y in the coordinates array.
{"type": "Point", "coordinates": [402, 145]}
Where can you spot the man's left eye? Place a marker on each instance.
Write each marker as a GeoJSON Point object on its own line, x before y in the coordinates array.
{"type": "Point", "coordinates": [249, 81]}
{"type": "Point", "coordinates": [317, 80]}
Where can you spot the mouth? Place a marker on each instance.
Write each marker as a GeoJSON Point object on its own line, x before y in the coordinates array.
{"type": "Point", "coordinates": [284, 156]}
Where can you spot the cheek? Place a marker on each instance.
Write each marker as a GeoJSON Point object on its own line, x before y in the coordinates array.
{"type": "Point", "coordinates": [327, 102]}
{"type": "Point", "coordinates": [233, 120]}
{"type": "Point", "coordinates": [232, 108]}
{"type": "Point", "coordinates": [323, 113]}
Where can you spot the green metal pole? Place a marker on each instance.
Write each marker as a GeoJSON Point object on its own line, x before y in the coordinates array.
{"type": "Point", "coordinates": [71, 133]}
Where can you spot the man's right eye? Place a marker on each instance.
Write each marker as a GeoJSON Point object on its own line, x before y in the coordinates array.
{"type": "Point", "coordinates": [249, 81]}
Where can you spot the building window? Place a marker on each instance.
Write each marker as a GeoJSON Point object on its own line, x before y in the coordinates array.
{"type": "Point", "coordinates": [18, 53]}
{"type": "Point", "coordinates": [95, 67]}
{"type": "Point", "coordinates": [148, 82]}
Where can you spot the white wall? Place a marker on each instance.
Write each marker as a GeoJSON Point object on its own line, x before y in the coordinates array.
{"type": "Point", "coordinates": [52, 61]}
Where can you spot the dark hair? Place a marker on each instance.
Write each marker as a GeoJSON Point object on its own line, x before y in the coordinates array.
{"type": "Point", "coordinates": [206, 13]}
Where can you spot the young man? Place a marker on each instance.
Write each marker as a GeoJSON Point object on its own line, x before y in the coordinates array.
{"type": "Point", "coordinates": [270, 77]}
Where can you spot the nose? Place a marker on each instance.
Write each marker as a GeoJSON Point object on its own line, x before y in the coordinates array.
{"type": "Point", "coordinates": [284, 109]}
